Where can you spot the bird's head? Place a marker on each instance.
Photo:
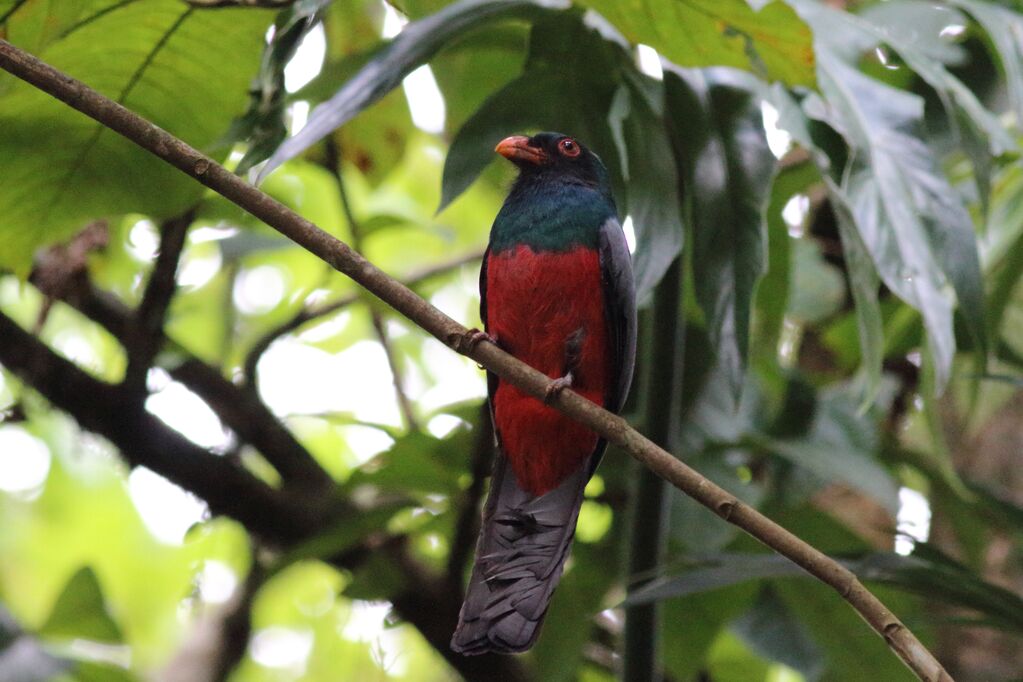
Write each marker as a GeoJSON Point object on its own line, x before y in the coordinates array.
{"type": "Point", "coordinates": [554, 156]}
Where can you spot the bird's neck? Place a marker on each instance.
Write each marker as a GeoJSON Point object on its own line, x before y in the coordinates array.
{"type": "Point", "coordinates": [551, 215]}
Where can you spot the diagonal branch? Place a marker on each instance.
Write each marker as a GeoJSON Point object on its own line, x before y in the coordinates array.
{"type": "Point", "coordinates": [147, 329]}
{"type": "Point", "coordinates": [610, 426]}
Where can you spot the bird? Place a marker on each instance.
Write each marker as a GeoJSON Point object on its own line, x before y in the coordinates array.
{"type": "Point", "coordinates": [557, 292]}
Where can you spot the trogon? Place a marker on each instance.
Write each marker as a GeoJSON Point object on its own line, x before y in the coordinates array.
{"type": "Point", "coordinates": [557, 292]}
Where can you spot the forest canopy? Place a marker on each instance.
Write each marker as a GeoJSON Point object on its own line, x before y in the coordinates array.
{"type": "Point", "coordinates": [220, 459]}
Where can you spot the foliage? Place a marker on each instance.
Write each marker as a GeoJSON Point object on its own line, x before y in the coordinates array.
{"type": "Point", "coordinates": [842, 191]}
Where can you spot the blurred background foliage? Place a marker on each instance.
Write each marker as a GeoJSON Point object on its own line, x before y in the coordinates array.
{"type": "Point", "coordinates": [826, 204]}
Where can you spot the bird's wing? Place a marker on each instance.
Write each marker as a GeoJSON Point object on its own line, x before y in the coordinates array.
{"type": "Point", "coordinates": [620, 312]}
{"type": "Point", "coordinates": [620, 309]}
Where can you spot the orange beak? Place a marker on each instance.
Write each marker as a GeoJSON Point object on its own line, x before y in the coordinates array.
{"type": "Point", "coordinates": [516, 148]}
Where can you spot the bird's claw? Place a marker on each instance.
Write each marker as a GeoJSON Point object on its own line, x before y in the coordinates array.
{"type": "Point", "coordinates": [555, 387]}
{"type": "Point", "coordinates": [471, 338]}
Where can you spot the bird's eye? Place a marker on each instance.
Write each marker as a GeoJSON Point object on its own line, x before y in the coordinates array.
{"type": "Point", "coordinates": [569, 147]}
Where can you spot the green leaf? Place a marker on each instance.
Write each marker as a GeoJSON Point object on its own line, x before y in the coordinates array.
{"type": "Point", "coordinates": [1005, 29]}
{"type": "Point", "coordinates": [863, 278]}
{"type": "Point", "coordinates": [262, 126]}
{"type": "Point", "coordinates": [81, 612]}
{"type": "Point", "coordinates": [911, 220]}
{"type": "Point", "coordinates": [652, 182]}
{"type": "Point", "coordinates": [839, 447]}
{"type": "Point", "coordinates": [913, 29]}
{"type": "Point", "coordinates": [563, 88]}
{"type": "Point", "coordinates": [729, 173]}
{"type": "Point", "coordinates": [416, 463]}
{"type": "Point", "coordinates": [415, 45]}
{"type": "Point", "coordinates": [864, 284]}
{"type": "Point", "coordinates": [774, 289]}
{"type": "Point", "coordinates": [818, 288]}
{"type": "Point", "coordinates": [712, 573]}
{"type": "Point", "coordinates": [690, 625]}
{"type": "Point", "coordinates": [770, 629]}
{"type": "Point", "coordinates": [185, 69]}
{"type": "Point", "coordinates": [773, 42]}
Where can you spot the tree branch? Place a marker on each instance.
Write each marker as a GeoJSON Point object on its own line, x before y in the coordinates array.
{"type": "Point", "coordinates": [146, 441]}
{"type": "Point", "coordinates": [610, 426]}
{"type": "Point", "coordinates": [147, 329]}
{"type": "Point", "coordinates": [242, 411]}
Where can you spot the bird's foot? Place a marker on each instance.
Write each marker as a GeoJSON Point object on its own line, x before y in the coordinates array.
{"type": "Point", "coordinates": [557, 386]}
{"type": "Point", "coordinates": [471, 338]}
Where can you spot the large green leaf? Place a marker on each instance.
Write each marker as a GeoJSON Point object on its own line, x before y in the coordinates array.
{"type": "Point", "coordinates": [771, 629]}
{"type": "Point", "coordinates": [565, 87]}
{"type": "Point", "coordinates": [728, 168]}
{"type": "Point", "coordinates": [185, 69]}
{"type": "Point", "coordinates": [863, 278]}
{"type": "Point", "coordinates": [1005, 30]}
{"type": "Point", "coordinates": [840, 446]}
{"type": "Point", "coordinates": [772, 42]}
{"type": "Point", "coordinates": [81, 612]}
{"type": "Point", "coordinates": [913, 29]}
{"type": "Point", "coordinates": [415, 45]}
{"type": "Point", "coordinates": [774, 289]}
{"type": "Point", "coordinates": [926, 572]}
{"type": "Point", "coordinates": [652, 182]}
{"type": "Point", "coordinates": [911, 220]}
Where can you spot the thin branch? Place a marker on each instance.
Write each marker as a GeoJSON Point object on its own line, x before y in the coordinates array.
{"type": "Point", "coordinates": [313, 313]}
{"type": "Point", "coordinates": [147, 330]}
{"type": "Point", "coordinates": [333, 163]}
{"type": "Point", "coordinates": [610, 426]}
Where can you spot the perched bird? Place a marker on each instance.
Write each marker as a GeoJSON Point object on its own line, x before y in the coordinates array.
{"type": "Point", "coordinates": [557, 292]}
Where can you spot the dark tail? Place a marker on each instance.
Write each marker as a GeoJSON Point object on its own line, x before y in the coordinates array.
{"type": "Point", "coordinates": [519, 558]}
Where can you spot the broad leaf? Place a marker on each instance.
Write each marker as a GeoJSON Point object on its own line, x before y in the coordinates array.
{"type": "Point", "coordinates": [652, 182]}
{"type": "Point", "coordinates": [770, 629]}
{"type": "Point", "coordinates": [926, 572]}
{"type": "Point", "coordinates": [911, 220]}
{"type": "Point", "coordinates": [185, 69]}
{"type": "Point", "coordinates": [263, 126]}
{"type": "Point", "coordinates": [415, 45]}
{"type": "Point", "coordinates": [772, 42]}
{"type": "Point", "coordinates": [1005, 29]}
{"type": "Point", "coordinates": [840, 446]}
{"type": "Point", "coordinates": [564, 88]}
{"type": "Point", "coordinates": [728, 174]}
{"type": "Point", "coordinates": [863, 278]}
{"type": "Point", "coordinates": [81, 612]}
{"type": "Point", "coordinates": [913, 29]}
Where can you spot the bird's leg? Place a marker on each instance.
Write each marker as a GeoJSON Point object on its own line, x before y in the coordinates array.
{"type": "Point", "coordinates": [573, 351]}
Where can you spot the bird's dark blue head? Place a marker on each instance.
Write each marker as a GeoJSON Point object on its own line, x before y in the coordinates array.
{"type": "Point", "coordinates": [554, 158]}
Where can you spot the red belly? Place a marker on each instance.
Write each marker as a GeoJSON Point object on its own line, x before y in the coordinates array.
{"type": "Point", "coordinates": [535, 301]}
